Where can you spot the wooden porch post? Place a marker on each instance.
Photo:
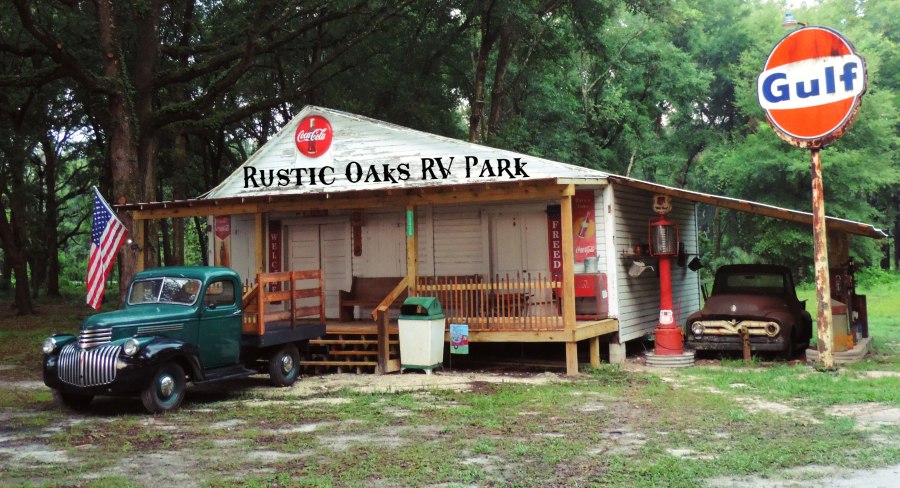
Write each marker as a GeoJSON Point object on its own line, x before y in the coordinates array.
{"type": "Point", "coordinates": [568, 281]}
{"type": "Point", "coordinates": [140, 232]}
{"type": "Point", "coordinates": [412, 249]}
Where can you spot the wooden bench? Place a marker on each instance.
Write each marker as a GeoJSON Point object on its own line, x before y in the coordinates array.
{"type": "Point", "coordinates": [365, 292]}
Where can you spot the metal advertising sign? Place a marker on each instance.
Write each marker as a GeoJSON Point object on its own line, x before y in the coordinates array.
{"type": "Point", "coordinates": [811, 86]}
{"type": "Point", "coordinates": [584, 225]}
{"type": "Point", "coordinates": [313, 136]}
{"type": "Point", "coordinates": [222, 241]}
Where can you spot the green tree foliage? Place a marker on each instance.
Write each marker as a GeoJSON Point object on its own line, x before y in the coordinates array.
{"type": "Point", "coordinates": [168, 97]}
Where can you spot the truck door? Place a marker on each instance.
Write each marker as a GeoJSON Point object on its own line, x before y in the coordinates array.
{"type": "Point", "coordinates": [220, 325]}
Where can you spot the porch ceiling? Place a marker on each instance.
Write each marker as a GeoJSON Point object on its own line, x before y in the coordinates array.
{"type": "Point", "coordinates": [521, 190]}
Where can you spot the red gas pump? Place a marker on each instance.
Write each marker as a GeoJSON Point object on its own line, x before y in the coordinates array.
{"type": "Point", "coordinates": [664, 245]}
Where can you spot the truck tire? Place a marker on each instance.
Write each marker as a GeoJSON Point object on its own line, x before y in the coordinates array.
{"type": "Point", "coordinates": [789, 350]}
{"type": "Point", "coordinates": [72, 401]}
{"type": "Point", "coordinates": [166, 390]}
{"type": "Point", "coordinates": [284, 365]}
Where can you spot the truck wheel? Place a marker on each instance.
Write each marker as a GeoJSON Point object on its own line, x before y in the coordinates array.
{"type": "Point", "coordinates": [72, 401]}
{"type": "Point", "coordinates": [788, 352]}
{"type": "Point", "coordinates": [166, 390]}
{"type": "Point", "coordinates": [284, 366]}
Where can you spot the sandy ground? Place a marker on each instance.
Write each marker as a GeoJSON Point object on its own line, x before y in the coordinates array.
{"type": "Point", "coordinates": [175, 468]}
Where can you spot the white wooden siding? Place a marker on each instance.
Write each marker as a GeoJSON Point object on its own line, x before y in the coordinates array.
{"type": "Point", "coordinates": [600, 226]}
{"type": "Point", "coordinates": [242, 253]}
{"type": "Point", "coordinates": [425, 239]}
{"type": "Point", "coordinates": [611, 253]}
{"type": "Point", "coordinates": [638, 298]}
{"type": "Point", "coordinates": [458, 241]}
{"type": "Point", "coordinates": [383, 245]}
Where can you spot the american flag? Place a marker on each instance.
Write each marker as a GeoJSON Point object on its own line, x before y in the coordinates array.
{"type": "Point", "coordinates": [107, 236]}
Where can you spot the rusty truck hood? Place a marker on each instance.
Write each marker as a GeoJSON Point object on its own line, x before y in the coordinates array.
{"type": "Point", "coordinates": [744, 306]}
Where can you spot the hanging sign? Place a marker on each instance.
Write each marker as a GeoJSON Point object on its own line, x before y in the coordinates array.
{"type": "Point", "coordinates": [554, 241]}
{"type": "Point", "coordinates": [459, 338]}
{"type": "Point", "coordinates": [274, 251]}
{"type": "Point", "coordinates": [584, 225]}
{"type": "Point", "coordinates": [811, 86]}
{"type": "Point", "coordinates": [313, 136]}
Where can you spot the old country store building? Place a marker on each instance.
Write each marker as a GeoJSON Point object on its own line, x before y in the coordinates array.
{"type": "Point", "coordinates": [522, 249]}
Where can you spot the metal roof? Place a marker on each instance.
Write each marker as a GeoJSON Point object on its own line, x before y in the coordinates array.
{"type": "Point", "coordinates": [375, 143]}
{"type": "Point", "coordinates": [749, 206]}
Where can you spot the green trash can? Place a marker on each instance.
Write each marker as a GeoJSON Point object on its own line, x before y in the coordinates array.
{"type": "Point", "coordinates": [421, 325]}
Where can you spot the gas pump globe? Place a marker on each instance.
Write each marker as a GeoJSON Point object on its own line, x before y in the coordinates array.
{"type": "Point", "coordinates": [664, 244]}
{"type": "Point", "coordinates": [663, 237]}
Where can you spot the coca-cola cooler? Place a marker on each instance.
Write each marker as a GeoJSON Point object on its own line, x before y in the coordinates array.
{"type": "Point", "coordinates": [591, 296]}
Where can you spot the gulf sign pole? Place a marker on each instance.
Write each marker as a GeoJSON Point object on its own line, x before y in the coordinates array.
{"type": "Point", "coordinates": [811, 88]}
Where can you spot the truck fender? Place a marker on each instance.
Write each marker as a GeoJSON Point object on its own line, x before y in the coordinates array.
{"type": "Point", "coordinates": [163, 349]}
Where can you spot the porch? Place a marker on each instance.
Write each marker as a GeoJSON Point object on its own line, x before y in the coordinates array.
{"type": "Point", "coordinates": [337, 233]}
{"type": "Point", "coordinates": [509, 309]}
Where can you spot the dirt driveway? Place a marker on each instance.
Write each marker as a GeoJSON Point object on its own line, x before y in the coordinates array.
{"type": "Point", "coordinates": [611, 427]}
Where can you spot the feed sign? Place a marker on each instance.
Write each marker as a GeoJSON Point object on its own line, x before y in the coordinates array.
{"type": "Point", "coordinates": [811, 86]}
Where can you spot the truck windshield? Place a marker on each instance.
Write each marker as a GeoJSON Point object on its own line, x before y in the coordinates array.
{"type": "Point", "coordinates": [752, 283]}
{"type": "Point", "coordinates": [181, 291]}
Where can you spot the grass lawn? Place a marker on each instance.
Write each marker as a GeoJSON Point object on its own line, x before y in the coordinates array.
{"type": "Point", "coordinates": [609, 427]}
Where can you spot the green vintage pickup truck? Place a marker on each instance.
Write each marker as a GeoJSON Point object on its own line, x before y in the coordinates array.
{"type": "Point", "coordinates": [181, 324]}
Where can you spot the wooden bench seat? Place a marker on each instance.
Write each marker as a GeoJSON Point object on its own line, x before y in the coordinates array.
{"type": "Point", "coordinates": [365, 292]}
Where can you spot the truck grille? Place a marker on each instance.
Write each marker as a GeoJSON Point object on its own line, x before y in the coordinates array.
{"type": "Point", "coordinates": [88, 367]}
{"type": "Point", "coordinates": [94, 337]}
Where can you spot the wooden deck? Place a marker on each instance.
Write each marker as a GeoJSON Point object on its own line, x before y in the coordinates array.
{"type": "Point", "coordinates": [584, 329]}
{"type": "Point", "coordinates": [353, 346]}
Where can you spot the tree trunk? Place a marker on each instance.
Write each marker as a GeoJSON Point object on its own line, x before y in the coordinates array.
{"type": "Point", "coordinates": [51, 217]}
{"type": "Point", "coordinates": [481, 64]}
{"type": "Point", "coordinates": [13, 253]}
{"type": "Point", "coordinates": [38, 263]}
{"type": "Point", "coordinates": [178, 193]}
{"type": "Point", "coordinates": [5, 272]}
{"type": "Point", "coordinates": [204, 243]}
{"type": "Point", "coordinates": [120, 132]}
{"type": "Point", "coordinates": [504, 56]}
{"type": "Point", "coordinates": [166, 243]}
{"type": "Point", "coordinates": [897, 242]}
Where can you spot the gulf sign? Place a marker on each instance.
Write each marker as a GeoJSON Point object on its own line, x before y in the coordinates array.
{"type": "Point", "coordinates": [811, 86]}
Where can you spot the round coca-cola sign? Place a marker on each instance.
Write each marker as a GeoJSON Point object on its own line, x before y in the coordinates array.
{"type": "Point", "coordinates": [313, 136]}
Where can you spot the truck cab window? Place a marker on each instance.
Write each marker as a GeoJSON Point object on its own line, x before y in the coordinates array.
{"type": "Point", "coordinates": [220, 294]}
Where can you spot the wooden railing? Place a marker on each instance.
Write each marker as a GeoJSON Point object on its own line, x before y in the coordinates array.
{"type": "Point", "coordinates": [380, 315]}
{"type": "Point", "coordinates": [274, 288]}
{"type": "Point", "coordinates": [520, 302]}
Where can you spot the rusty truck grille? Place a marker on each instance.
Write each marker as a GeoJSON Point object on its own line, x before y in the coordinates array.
{"type": "Point", "coordinates": [94, 337]}
{"type": "Point", "coordinates": [88, 367]}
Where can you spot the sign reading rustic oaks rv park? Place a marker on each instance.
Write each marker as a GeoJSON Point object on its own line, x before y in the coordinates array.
{"type": "Point", "coordinates": [810, 88]}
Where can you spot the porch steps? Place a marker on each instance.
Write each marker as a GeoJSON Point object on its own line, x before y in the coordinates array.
{"type": "Point", "coordinates": [349, 349]}
{"type": "Point", "coordinates": [323, 342]}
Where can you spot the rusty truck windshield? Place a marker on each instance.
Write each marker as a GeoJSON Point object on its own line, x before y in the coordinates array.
{"type": "Point", "coordinates": [752, 283]}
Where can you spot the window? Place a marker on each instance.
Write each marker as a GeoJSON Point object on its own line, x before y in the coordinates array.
{"type": "Point", "coordinates": [755, 283]}
{"type": "Point", "coordinates": [180, 291]}
{"type": "Point", "coordinates": [220, 294]}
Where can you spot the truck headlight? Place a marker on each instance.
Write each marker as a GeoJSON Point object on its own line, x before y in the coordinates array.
{"type": "Point", "coordinates": [697, 328]}
{"type": "Point", "coordinates": [131, 346]}
{"type": "Point", "coordinates": [49, 345]}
